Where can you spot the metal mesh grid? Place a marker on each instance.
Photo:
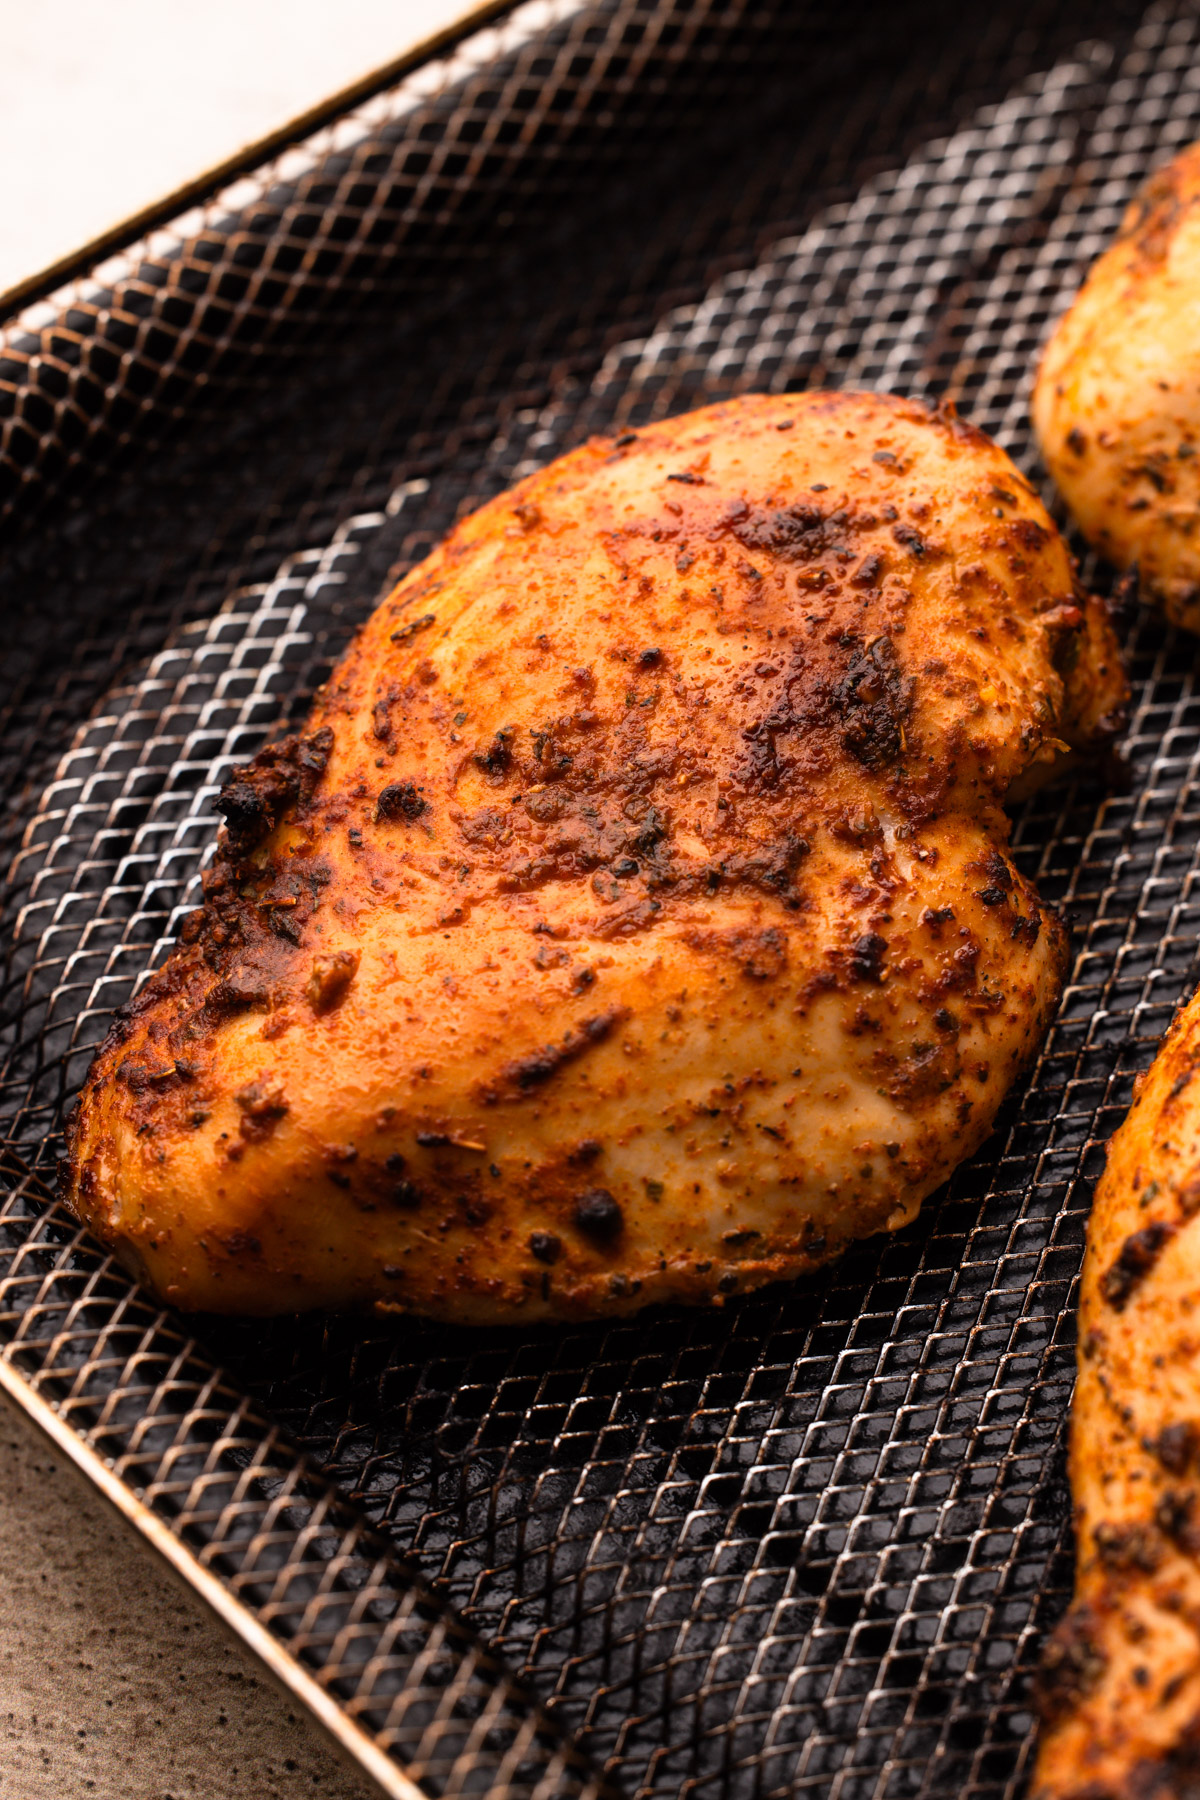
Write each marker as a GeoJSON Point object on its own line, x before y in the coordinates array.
{"type": "Point", "coordinates": [148, 1400]}
{"type": "Point", "coordinates": [808, 1544]}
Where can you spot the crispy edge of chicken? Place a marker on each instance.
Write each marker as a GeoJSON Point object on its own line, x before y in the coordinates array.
{"type": "Point", "coordinates": [633, 920]}
{"type": "Point", "coordinates": [1116, 404]}
{"type": "Point", "coordinates": [1119, 1689]}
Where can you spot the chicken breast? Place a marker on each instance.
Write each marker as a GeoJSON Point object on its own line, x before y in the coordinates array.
{"type": "Point", "coordinates": [633, 920]}
{"type": "Point", "coordinates": [1120, 1685]}
{"type": "Point", "coordinates": [1117, 400]}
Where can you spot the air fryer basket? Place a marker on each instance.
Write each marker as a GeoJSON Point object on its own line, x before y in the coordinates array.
{"type": "Point", "coordinates": [807, 1544]}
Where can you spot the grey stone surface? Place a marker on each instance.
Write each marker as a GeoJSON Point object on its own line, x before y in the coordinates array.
{"type": "Point", "coordinates": [114, 1681]}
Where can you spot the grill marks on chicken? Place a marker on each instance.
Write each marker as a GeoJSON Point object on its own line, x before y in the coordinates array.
{"type": "Point", "coordinates": [633, 920]}
{"type": "Point", "coordinates": [1117, 401]}
{"type": "Point", "coordinates": [1120, 1681]}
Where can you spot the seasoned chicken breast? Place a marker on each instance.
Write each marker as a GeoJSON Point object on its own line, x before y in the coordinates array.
{"type": "Point", "coordinates": [1120, 1685]}
{"type": "Point", "coordinates": [632, 921]}
{"type": "Point", "coordinates": [1117, 400]}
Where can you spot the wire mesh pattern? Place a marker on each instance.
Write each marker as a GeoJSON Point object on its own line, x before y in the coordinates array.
{"type": "Point", "coordinates": [196, 1453]}
{"type": "Point", "coordinates": [329, 230]}
{"type": "Point", "coordinates": [807, 1544]}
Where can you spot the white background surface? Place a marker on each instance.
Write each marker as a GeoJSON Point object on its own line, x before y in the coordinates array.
{"type": "Point", "coordinates": [107, 105]}
{"type": "Point", "coordinates": [114, 1682]}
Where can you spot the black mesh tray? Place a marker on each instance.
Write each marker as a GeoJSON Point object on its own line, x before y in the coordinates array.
{"type": "Point", "coordinates": [806, 1545]}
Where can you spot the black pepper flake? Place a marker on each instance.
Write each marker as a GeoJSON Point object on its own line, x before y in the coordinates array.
{"type": "Point", "coordinates": [1130, 1546]}
{"type": "Point", "coordinates": [1139, 1253]}
{"type": "Point", "coordinates": [1072, 1663]}
{"type": "Point", "coordinates": [1177, 1086]}
{"type": "Point", "coordinates": [496, 760]}
{"type": "Point", "coordinates": [403, 632]}
{"type": "Point", "coordinates": [910, 539]}
{"type": "Point", "coordinates": [866, 958]}
{"type": "Point", "coordinates": [598, 1215]}
{"type": "Point", "coordinates": [400, 800]}
{"type": "Point", "coordinates": [1175, 1446]}
{"type": "Point", "coordinates": [1173, 1516]}
{"type": "Point", "coordinates": [868, 572]}
{"type": "Point", "coordinates": [545, 1246]}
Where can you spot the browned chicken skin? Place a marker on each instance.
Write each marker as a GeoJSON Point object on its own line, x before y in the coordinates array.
{"type": "Point", "coordinates": [1117, 400]}
{"type": "Point", "coordinates": [1120, 1686]}
{"type": "Point", "coordinates": [1117, 406]}
{"type": "Point", "coordinates": [632, 921]}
